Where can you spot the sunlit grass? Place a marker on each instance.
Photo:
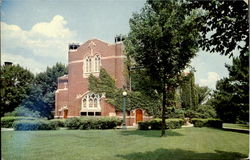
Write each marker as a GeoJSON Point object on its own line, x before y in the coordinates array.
{"type": "Point", "coordinates": [185, 143]}
{"type": "Point", "coordinates": [236, 126]}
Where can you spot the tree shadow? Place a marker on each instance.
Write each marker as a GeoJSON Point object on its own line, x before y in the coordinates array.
{"type": "Point", "coordinates": [149, 133]}
{"type": "Point", "coordinates": [179, 154]}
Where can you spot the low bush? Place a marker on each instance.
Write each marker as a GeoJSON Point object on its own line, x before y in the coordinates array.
{"type": "Point", "coordinates": [144, 125]}
{"type": "Point", "coordinates": [214, 123]}
{"type": "Point", "coordinates": [7, 122]}
{"type": "Point", "coordinates": [22, 111]}
{"type": "Point", "coordinates": [156, 124]}
{"type": "Point", "coordinates": [38, 124]}
{"type": "Point", "coordinates": [92, 122]}
{"type": "Point", "coordinates": [58, 122]}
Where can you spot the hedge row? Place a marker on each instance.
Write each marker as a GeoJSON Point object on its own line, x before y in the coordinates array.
{"type": "Point", "coordinates": [7, 122]}
{"type": "Point", "coordinates": [156, 124]}
{"type": "Point", "coordinates": [58, 122]}
{"type": "Point", "coordinates": [93, 122]}
{"type": "Point", "coordinates": [38, 124]}
{"type": "Point", "coordinates": [215, 123]}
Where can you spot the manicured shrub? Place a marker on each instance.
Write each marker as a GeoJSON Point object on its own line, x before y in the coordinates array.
{"type": "Point", "coordinates": [7, 122]}
{"type": "Point", "coordinates": [174, 123]}
{"type": "Point", "coordinates": [215, 123]}
{"type": "Point", "coordinates": [144, 125]}
{"type": "Point", "coordinates": [22, 111]}
{"type": "Point", "coordinates": [73, 123]}
{"type": "Point", "coordinates": [38, 124]}
{"type": "Point", "coordinates": [199, 122]}
{"type": "Point", "coordinates": [92, 122]}
{"type": "Point", "coordinates": [156, 124]}
{"type": "Point", "coordinates": [58, 122]}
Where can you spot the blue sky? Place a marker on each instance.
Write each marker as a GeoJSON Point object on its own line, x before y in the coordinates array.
{"type": "Point", "coordinates": [36, 33]}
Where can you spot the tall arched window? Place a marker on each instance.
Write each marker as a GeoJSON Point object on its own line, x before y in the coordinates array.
{"type": "Point", "coordinates": [95, 103]}
{"type": "Point", "coordinates": [97, 63]}
{"type": "Point", "coordinates": [84, 102]}
{"type": "Point", "coordinates": [87, 65]}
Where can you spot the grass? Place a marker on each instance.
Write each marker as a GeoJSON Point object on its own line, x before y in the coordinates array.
{"type": "Point", "coordinates": [235, 126]}
{"type": "Point", "coordinates": [185, 143]}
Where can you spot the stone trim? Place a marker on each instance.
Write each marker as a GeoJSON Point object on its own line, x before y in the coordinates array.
{"type": "Point", "coordinates": [102, 58]}
{"type": "Point", "coordinates": [59, 90]}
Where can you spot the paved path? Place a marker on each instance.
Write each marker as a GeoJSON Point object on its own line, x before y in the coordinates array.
{"type": "Point", "coordinates": [7, 129]}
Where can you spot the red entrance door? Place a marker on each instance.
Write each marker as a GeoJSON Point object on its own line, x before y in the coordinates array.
{"type": "Point", "coordinates": [138, 115]}
{"type": "Point", "coordinates": [65, 113]}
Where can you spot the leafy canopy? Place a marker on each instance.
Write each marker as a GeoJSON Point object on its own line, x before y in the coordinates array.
{"type": "Point", "coordinates": [231, 97]}
{"type": "Point", "coordinates": [163, 38]}
{"type": "Point", "coordinates": [15, 86]}
{"type": "Point", "coordinates": [224, 25]}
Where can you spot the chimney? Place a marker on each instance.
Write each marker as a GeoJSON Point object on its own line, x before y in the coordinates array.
{"type": "Point", "coordinates": [119, 38]}
{"type": "Point", "coordinates": [8, 63]}
{"type": "Point", "coordinates": [73, 46]}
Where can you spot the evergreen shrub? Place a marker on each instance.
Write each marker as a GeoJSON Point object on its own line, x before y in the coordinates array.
{"type": "Point", "coordinates": [214, 123]}
{"type": "Point", "coordinates": [155, 124]}
{"type": "Point", "coordinates": [38, 124]}
{"type": "Point", "coordinates": [92, 122]}
{"type": "Point", "coordinates": [7, 122]}
{"type": "Point", "coordinates": [144, 125]}
{"type": "Point", "coordinates": [58, 122]}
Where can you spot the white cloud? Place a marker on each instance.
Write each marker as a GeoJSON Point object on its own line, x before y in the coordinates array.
{"type": "Point", "coordinates": [46, 39]}
{"type": "Point", "coordinates": [210, 81]}
{"type": "Point", "coordinates": [28, 63]}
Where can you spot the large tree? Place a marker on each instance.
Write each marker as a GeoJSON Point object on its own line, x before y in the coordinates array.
{"type": "Point", "coordinates": [163, 39]}
{"type": "Point", "coordinates": [42, 97]}
{"type": "Point", "coordinates": [224, 25]}
{"type": "Point", "coordinates": [15, 86]}
{"type": "Point", "coordinates": [231, 97]}
{"type": "Point", "coordinates": [106, 84]}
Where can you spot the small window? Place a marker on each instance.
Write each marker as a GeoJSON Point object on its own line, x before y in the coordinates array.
{"type": "Point", "coordinates": [90, 113]}
{"type": "Point", "coordinates": [84, 104]}
{"type": "Point", "coordinates": [98, 113]}
{"type": "Point", "coordinates": [128, 113]}
{"type": "Point", "coordinates": [83, 113]}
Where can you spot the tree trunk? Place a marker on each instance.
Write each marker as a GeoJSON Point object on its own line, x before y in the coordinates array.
{"type": "Point", "coordinates": [163, 122]}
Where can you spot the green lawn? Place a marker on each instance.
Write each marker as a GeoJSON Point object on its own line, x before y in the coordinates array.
{"type": "Point", "coordinates": [235, 126]}
{"type": "Point", "coordinates": [186, 143]}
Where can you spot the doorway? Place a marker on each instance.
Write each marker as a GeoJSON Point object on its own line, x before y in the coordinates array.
{"type": "Point", "coordinates": [65, 113]}
{"type": "Point", "coordinates": [139, 117]}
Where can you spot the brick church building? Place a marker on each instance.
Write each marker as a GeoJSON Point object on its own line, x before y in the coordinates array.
{"type": "Point", "coordinates": [72, 97]}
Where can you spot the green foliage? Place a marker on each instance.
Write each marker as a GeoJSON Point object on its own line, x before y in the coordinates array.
{"type": "Point", "coordinates": [58, 122]}
{"type": "Point", "coordinates": [176, 113]}
{"type": "Point", "coordinates": [215, 123]}
{"type": "Point", "coordinates": [42, 96]}
{"type": "Point", "coordinates": [156, 124]}
{"type": "Point", "coordinates": [218, 25]}
{"type": "Point", "coordinates": [105, 84]}
{"type": "Point", "coordinates": [92, 122]}
{"type": "Point", "coordinates": [203, 111]}
{"type": "Point", "coordinates": [188, 92]}
{"type": "Point", "coordinates": [37, 124]}
{"type": "Point", "coordinates": [231, 97]}
{"type": "Point", "coordinates": [23, 111]}
{"type": "Point", "coordinates": [144, 125]}
{"type": "Point", "coordinates": [15, 86]}
{"type": "Point", "coordinates": [7, 122]}
{"type": "Point", "coordinates": [162, 39]}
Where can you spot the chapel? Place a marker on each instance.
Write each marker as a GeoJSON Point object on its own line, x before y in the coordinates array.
{"type": "Point", "coordinates": [73, 98]}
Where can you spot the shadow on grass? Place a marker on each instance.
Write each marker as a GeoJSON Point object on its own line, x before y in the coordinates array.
{"type": "Point", "coordinates": [179, 154]}
{"type": "Point", "coordinates": [149, 133]}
